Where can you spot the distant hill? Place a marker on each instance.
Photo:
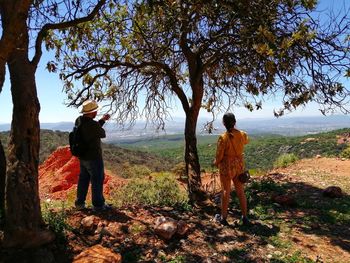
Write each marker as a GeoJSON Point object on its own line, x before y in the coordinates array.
{"type": "Point", "coordinates": [55, 126]}
{"type": "Point", "coordinates": [116, 158]}
{"type": "Point", "coordinates": [260, 153]}
{"type": "Point", "coordinates": [164, 152]}
{"type": "Point", "coordinates": [291, 126]}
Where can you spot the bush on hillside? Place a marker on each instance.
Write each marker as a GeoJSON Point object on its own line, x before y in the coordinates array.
{"type": "Point", "coordinates": [345, 153]}
{"type": "Point", "coordinates": [134, 171]}
{"type": "Point", "coordinates": [160, 189]}
{"type": "Point", "coordinates": [285, 160]}
{"type": "Point", "coordinates": [56, 218]}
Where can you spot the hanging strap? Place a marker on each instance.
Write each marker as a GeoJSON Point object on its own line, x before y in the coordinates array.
{"type": "Point", "coordinates": [235, 151]}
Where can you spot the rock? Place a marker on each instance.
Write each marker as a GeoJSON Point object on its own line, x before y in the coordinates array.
{"type": "Point", "coordinates": [159, 220]}
{"type": "Point", "coordinates": [165, 227]}
{"type": "Point", "coordinates": [284, 200]}
{"type": "Point", "coordinates": [89, 224]}
{"type": "Point", "coordinates": [98, 254]}
{"type": "Point", "coordinates": [114, 229]}
{"type": "Point", "coordinates": [333, 192]}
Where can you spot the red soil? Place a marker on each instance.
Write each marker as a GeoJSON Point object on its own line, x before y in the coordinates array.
{"type": "Point", "coordinates": [59, 174]}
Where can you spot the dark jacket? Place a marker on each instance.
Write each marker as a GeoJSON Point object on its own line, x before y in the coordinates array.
{"type": "Point", "coordinates": [91, 132]}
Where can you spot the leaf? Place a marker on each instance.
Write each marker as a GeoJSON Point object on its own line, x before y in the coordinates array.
{"type": "Point", "coordinates": [347, 73]}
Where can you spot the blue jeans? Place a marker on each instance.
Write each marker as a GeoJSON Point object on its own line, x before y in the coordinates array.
{"type": "Point", "coordinates": [91, 170]}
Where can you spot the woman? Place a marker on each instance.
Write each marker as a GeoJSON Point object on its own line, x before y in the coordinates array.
{"type": "Point", "coordinates": [229, 160]}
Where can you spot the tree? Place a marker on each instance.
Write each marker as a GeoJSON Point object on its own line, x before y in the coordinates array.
{"type": "Point", "coordinates": [9, 19]}
{"type": "Point", "coordinates": [2, 179]}
{"type": "Point", "coordinates": [30, 26]}
{"type": "Point", "coordinates": [208, 54]}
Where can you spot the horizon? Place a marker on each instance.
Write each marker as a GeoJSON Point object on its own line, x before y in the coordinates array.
{"type": "Point", "coordinates": [205, 118]}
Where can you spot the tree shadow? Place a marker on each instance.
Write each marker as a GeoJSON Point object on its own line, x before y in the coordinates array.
{"type": "Point", "coordinates": [57, 252]}
{"type": "Point", "coordinates": [312, 212]}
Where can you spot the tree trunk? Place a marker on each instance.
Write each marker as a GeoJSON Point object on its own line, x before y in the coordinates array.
{"type": "Point", "coordinates": [23, 223]}
{"type": "Point", "coordinates": [2, 179]}
{"type": "Point", "coordinates": [191, 157]}
{"type": "Point", "coordinates": [193, 171]}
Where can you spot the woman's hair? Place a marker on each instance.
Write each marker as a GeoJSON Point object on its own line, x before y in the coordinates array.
{"type": "Point", "coordinates": [229, 120]}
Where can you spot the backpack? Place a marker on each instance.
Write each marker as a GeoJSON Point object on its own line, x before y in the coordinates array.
{"type": "Point", "coordinates": [76, 143]}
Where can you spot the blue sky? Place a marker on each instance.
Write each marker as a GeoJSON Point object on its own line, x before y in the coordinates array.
{"type": "Point", "coordinates": [52, 98]}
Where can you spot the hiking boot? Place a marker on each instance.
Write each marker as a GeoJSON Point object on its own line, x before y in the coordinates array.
{"type": "Point", "coordinates": [220, 220]}
{"type": "Point", "coordinates": [102, 208]}
{"type": "Point", "coordinates": [80, 207]}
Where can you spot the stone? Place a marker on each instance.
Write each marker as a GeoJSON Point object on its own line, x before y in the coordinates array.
{"type": "Point", "coordinates": [165, 227]}
{"type": "Point", "coordinates": [98, 254]}
{"type": "Point", "coordinates": [114, 229]}
{"type": "Point", "coordinates": [333, 192]}
{"type": "Point", "coordinates": [89, 224]}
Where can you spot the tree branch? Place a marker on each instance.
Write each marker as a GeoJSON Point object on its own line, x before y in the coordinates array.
{"type": "Point", "coordinates": [66, 24]}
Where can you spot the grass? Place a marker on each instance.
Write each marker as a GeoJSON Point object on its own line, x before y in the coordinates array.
{"type": "Point", "coordinates": [296, 257]}
{"type": "Point", "coordinates": [285, 160]}
{"type": "Point", "coordinates": [158, 189]}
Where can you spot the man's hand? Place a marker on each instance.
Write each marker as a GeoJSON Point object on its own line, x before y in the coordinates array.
{"type": "Point", "coordinates": [106, 117]}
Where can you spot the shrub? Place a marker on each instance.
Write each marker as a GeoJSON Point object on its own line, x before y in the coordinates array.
{"type": "Point", "coordinates": [284, 160]}
{"type": "Point", "coordinates": [55, 218]}
{"type": "Point", "coordinates": [158, 189]}
{"type": "Point", "coordinates": [135, 171]}
{"type": "Point", "coordinates": [345, 153]}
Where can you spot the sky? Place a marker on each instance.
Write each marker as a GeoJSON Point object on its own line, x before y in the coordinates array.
{"type": "Point", "coordinates": [52, 97]}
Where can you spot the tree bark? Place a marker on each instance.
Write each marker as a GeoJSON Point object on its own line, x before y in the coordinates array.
{"type": "Point", "coordinates": [191, 157]}
{"type": "Point", "coordinates": [2, 179]}
{"type": "Point", "coordinates": [193, 171]}
{"type": "Point", "coordinates": [23, 223]}
{"type": "Point", "coordinates": [12, 12]}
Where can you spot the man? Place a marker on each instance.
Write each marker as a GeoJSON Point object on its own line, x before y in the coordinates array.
{"type": "Point", "coordinates": [91, 162]}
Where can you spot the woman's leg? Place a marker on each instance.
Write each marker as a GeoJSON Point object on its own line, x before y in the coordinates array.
{"type": "Point", "coordinates": [225, 194]}
{"type": "Point", "coordinates": [241, 195]}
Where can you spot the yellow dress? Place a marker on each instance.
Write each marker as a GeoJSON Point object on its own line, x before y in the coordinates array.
{"type": "Point", "coordinates": [229, 153]}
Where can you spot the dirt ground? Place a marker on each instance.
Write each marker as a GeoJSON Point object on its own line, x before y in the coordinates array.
{"type": "Point", "coordinates": [283, 234]}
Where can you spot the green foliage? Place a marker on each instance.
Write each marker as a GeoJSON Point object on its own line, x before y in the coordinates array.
{"type": "Point", "coordinates": [49, 141]}
{"type": "Point", "coordinates": [345, 153]}
{"type": "Point", "coordinates": [56, 218]}
{"type": "Point", "coordinates": [138, 163]}
{"type": "Point", "coordinates": [146, 45]}
{"type": "Point", "coordinates": [260, 154]}
{"type": "Point", "coordinates": [237, 255]}
{"type": "Point", "coordinates": [296, 257]}
{"type": "Point", "coordinates": [285, 160]}
{"type": "Point", "coordinates": [133, 162]}
{"type": "Point", "coordinates": [138, 171]}
{"type": "Point", "coordinates": [160, 189]}
{"type": "Point", "coordinates": [178, 259]}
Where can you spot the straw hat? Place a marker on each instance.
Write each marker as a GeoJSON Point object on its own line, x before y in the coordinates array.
{"type": "Point", "coordinates": [89, 106]}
